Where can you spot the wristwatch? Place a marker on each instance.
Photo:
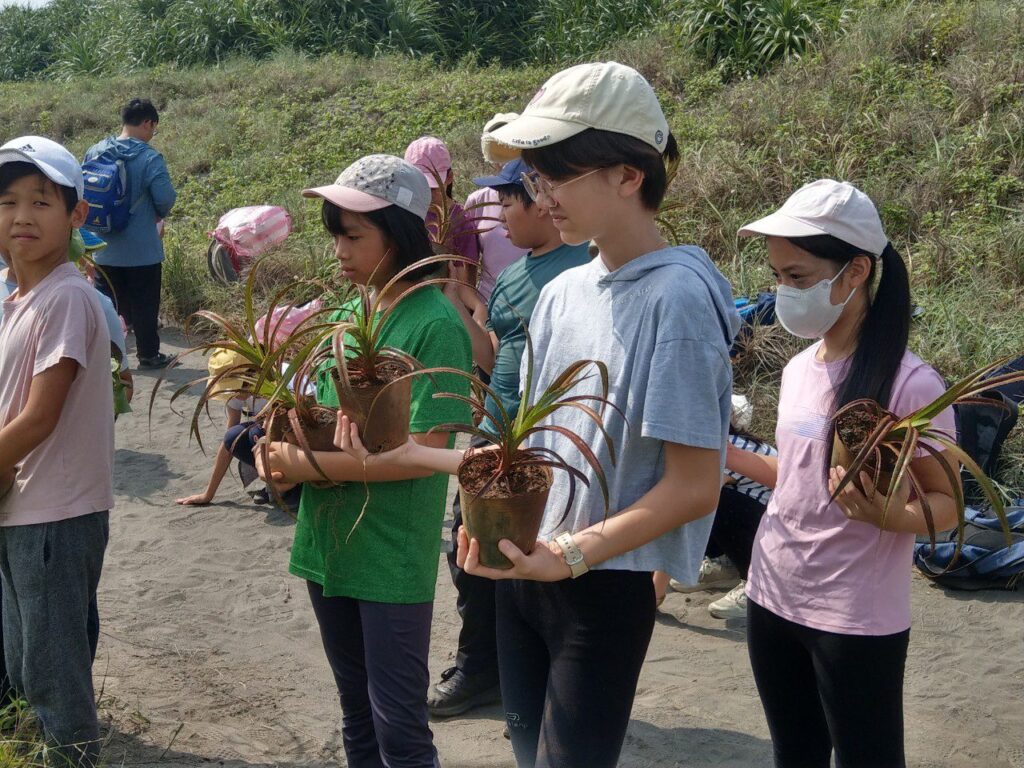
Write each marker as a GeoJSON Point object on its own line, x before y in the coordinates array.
{"type": "Point", "coordinates": [572, 554]}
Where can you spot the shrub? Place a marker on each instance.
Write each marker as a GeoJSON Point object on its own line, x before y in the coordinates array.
{"type": "Point", "coordinates": [744, 37]}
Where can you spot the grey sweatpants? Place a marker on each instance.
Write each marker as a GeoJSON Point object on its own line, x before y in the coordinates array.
{"type": "Point", "coordinates": [50, 573]}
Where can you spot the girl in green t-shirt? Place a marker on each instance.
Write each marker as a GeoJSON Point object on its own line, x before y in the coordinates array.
{"type": "Point", "coordinates": [372, 584]}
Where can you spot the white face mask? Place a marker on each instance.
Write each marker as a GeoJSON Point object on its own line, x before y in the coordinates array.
{"type": "Point", "coordinates": [809, 312]}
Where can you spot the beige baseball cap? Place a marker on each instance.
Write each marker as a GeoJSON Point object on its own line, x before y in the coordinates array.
{"type": "Point", "coordinates": [487, 141]}
{"type": "Point", "coordinates": [826, 207]}
{"type": "Point", "coordinates": [606, 95]}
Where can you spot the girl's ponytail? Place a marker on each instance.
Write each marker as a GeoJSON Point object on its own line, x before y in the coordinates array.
{"type": "Point", "coordinates": [882, 337]}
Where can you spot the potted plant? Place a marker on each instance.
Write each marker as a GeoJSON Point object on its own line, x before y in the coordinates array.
{"type": "Point", "coordinates": [868, 438]}
{"type": "Point", "coordinates": [503, 489]}
{"type": "Point", "coordinates": [374, 380]}
{"type": "Point", "coordinates": [266, 363]}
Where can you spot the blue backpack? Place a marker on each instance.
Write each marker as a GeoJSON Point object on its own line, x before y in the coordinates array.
{"type": "Point", "coordinates": [106, 191]}
{"type": "Point", "coordinates": [986, 561]}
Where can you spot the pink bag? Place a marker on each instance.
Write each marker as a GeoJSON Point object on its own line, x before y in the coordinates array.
{"type": "Point", "coordinates": [248, 232]}
{"type": "Point", "coordinates": [292, 316]}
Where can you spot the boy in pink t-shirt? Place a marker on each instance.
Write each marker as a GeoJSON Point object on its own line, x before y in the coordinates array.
{"type": "Point", "coordinates": [56, 447]}
{"type": "Point", "coordinates": [828, 608]}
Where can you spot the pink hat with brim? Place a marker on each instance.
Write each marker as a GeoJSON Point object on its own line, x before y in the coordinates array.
{"type": "Point", "coordinates": [347, 198]}
{"type": "Point", "coordinates": [377, 181]}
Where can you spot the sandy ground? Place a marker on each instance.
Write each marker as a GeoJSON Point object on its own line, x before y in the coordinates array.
{"type": "Point", "coordinates": [210, 651]}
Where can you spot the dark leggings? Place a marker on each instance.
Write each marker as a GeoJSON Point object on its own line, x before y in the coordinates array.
{"type": "Point", "coordinates": [378, 654]}
{"type": "Point", "coordinates": [732, 534]}
{"type": "Point", "coordinates": [569, 655]}
{"type": "Point", "coordinates": [823, 691]}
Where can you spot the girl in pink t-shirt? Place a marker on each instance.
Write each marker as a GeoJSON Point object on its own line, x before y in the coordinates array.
{"type": "Point", "coordinates": [829, 589]}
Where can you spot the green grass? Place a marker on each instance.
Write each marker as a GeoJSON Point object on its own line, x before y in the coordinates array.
{"type": "Point", "coordinates": [919, 103]}
{"type": "Point", "coordinates": [21, 741]}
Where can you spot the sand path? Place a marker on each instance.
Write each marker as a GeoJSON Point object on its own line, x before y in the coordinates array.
{"type": "Point", "coordinates": [209, 647]}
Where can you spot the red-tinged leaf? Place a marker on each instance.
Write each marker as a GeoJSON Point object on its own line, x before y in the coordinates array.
{"type": "Point", "coordinates": [903, 459]}
{"type": "Point", "coordinates": [926, 507]}
{"type": "Point", "coordinates": [980, 477]}
{"type": "Point", "coordinates": [584, 450]}
{"type": "Point", "coordinates": [959, 503]}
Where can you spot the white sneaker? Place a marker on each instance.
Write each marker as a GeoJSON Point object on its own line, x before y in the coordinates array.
{"type": "Point", "coordinates": [715, 573]}
{"type": "Point", "coordinates": [733, 605]}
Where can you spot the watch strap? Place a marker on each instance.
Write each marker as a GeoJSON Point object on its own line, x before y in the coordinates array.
{"type": "Point", "coordinates": [572, 554]}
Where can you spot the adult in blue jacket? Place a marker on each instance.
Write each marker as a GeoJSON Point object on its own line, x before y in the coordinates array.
{"type": "Point", "coordinates": [132, 262]}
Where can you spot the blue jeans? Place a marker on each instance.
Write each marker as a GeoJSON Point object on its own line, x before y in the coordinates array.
{"type": "Point", "coordinates": [50, 573]}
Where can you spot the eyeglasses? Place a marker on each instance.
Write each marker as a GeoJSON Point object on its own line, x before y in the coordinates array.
{"type": "Point", "coordinates": [537, 186]}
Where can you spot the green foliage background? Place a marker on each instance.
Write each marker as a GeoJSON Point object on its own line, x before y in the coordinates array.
{"type": "Point", "coordinates": [81, 37]}
{"type": "Point", "coordinates": [919, 103]}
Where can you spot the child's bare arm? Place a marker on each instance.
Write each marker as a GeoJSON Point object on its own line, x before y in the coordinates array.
{"type": "Point", "coordinates": [37, 420]}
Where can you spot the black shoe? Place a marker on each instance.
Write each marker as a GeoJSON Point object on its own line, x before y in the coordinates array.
{"type": "Point", "coordinates": [159, 360]}
{"type": "Point", "coordinates": [262, 496]}
{"type": "Point", "coordinates": [458, 693]}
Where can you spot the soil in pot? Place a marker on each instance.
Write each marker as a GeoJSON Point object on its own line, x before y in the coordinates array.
{"type": "Point", "coordinates": [852, 431]}
{"type": "Point", "coordinates": [318, 424]}
{"type": "Point", "coordinates": [511, 508]}
{"type": "Point", "coordinates": [387, 426]}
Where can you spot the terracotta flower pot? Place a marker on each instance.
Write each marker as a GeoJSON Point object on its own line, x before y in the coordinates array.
{"type": "Point", "coordinates": [517, 518]}
{"type": "Point", "coordinates": [380, 411]}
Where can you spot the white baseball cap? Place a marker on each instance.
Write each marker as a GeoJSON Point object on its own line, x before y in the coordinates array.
{"type": "Point", "coordinates": [55, 162]}
{"type": "Point", "coordinates": [606, 95]}
{"type": "Point", "coordinates": [826, 207]}
{"type": "Point", "coordinates": [377, 181]}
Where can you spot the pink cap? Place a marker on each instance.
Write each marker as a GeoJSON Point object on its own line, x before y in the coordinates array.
{"type": "Point", "coordinates": [430, 155]}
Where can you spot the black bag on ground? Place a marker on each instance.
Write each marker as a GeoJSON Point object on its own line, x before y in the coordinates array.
{"type": "Point", "coordinates": [981, 432]}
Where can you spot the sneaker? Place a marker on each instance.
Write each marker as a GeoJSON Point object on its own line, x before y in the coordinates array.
{"type": "Point", "coordinates": [715, 573]}
{"type": "Point", "coordinates": [458, 693]}
{"type": "Point", "coordinates": [159, 360]}
{"type": "Point", "coordinates": [733, 605]}
{"type": "Point", "coordinates": [262, 496]}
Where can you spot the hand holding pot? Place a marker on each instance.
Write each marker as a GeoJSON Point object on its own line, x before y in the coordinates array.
{"type": "Point", "coordinates": [545, 563]}
{"type": "Point", "coordinates": [271, 464]}
{"type": "Point", "coordinates": [857, 506]}
{"type": "Point", "coordinates": [346, 439]}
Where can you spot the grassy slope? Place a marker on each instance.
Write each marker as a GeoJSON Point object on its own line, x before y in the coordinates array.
{"type": "Point", "coordinates": [922, 104]}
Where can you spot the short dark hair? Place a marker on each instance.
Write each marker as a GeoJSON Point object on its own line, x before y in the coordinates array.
{"type": "Point", "coordinates": [515, 191]}
{"type": "Point", "coordinates": [594, 149]}
{"type": "Point", "coordinates": [405, 232]}
{"type": "Point", "coordinates": [138, 111]}
{"type": "Point", "coordinates": [12, 172]}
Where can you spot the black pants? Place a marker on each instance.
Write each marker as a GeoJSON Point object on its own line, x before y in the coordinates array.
{"type": "Point", "coordinates": [378, 654]}
{"type": "Point", "coordinates": [135, 292]}
{"type": "Point", "coordinates": [735, 527]}
{"type": "Point", "coordinates": [570, 654]}
{"type": "Point", "coordinates": [478, 645]}
{"type": "Point", "coordinates": [823, 691]}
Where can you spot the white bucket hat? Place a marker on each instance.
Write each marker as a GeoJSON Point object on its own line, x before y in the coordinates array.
{"type": "Point", "coordinates": [606, 95]}
{"type": "Point", "coordinates": [826, 207]}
